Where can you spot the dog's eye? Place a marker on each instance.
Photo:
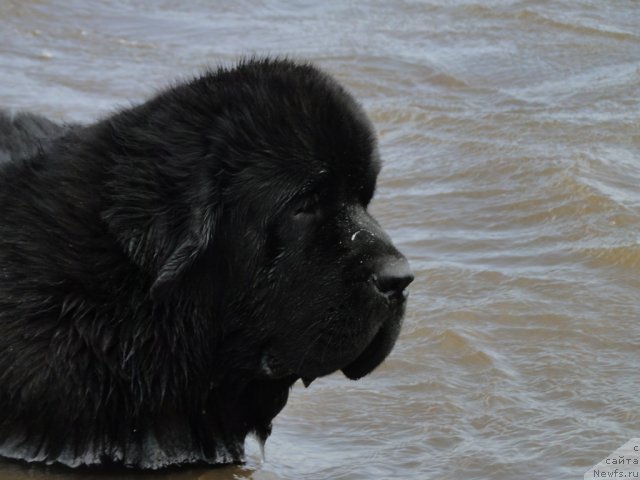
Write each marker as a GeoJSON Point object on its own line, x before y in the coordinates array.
{"type": "Point", "coordinates": [311, 206]}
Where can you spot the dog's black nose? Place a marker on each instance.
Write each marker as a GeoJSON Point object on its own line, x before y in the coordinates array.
{"type": "Point", "coordinates": [393, 277]}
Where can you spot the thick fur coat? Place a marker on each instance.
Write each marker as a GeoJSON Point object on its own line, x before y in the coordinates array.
{"type": "Point", "coordinates": [167, 273]}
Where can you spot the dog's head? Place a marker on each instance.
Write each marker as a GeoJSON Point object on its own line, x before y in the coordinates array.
{"type": "Point", "coordinates": [203, 251]}
{"type": "Point", "coordinates": [273, 167]}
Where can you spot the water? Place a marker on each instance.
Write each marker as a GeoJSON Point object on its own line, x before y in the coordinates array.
{"type": "Point", "coordinates": [510, 132]}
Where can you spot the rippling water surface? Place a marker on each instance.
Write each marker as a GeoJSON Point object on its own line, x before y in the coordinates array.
{"type": "Point", "coordinates": [510, 133]}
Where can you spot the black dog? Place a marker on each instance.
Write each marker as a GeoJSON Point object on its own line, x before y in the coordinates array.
{"type": "Point", "coordinates": [168, 273]}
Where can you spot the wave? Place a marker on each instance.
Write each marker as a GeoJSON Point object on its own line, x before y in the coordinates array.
{"type": "Point", "coordinates": [626, 256]}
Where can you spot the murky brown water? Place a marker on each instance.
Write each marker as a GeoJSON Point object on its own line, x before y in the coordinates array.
{"type": "Point", "coordinates": [511, 135]}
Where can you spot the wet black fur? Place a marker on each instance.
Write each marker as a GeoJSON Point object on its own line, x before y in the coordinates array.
{"type": "Point", "coordinates": [167, 273]}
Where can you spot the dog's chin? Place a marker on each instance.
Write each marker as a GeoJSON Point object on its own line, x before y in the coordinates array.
{"type": "Point", "coordinates": [275, 365]}
{"type": "Point", "coordinates": [376, 351]}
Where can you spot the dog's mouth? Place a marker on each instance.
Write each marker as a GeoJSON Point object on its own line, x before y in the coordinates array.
{"type": "Point", "coordinates": [376, 351]}
{"type": "Point", "coordinates": [273, 365]}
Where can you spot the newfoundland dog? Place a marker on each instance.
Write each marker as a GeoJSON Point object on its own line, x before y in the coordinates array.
{"type": "Point", "coordinates": [167, 273]}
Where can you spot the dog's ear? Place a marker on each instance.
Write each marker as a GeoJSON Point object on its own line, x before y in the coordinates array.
{"type": "Point", "coordinates": [162, 216]}
{"type": "Point", "coordinates": [179, 257]}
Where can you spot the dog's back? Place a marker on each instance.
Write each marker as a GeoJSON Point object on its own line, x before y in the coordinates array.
{"type": "Point", "coordinates": [22, 134]}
